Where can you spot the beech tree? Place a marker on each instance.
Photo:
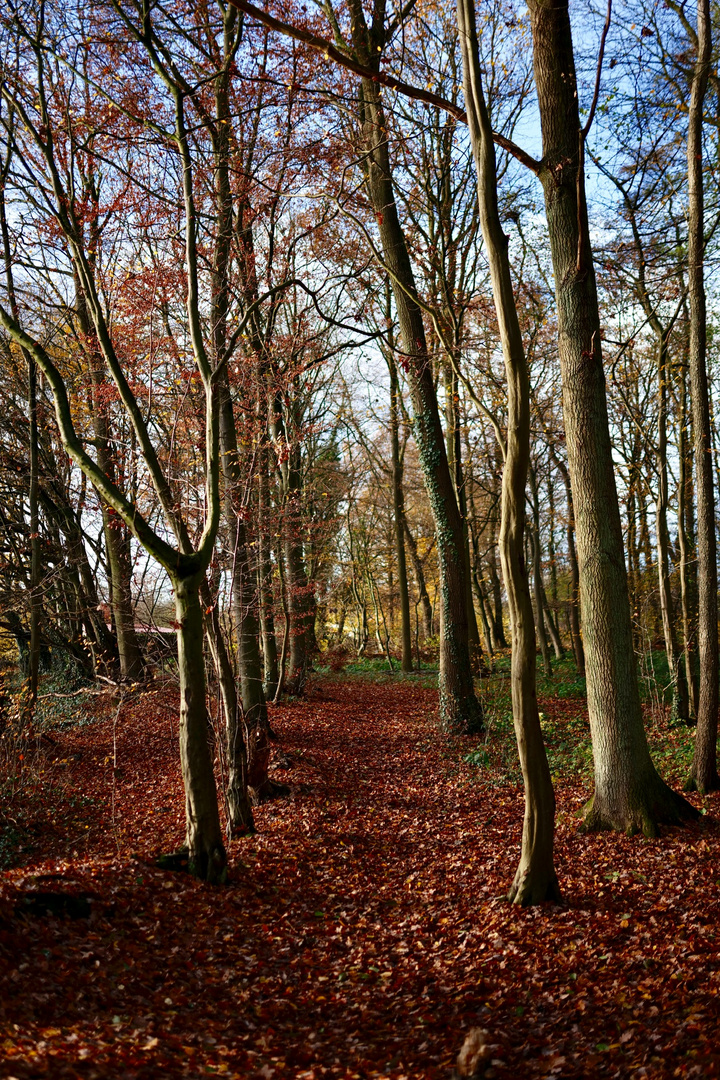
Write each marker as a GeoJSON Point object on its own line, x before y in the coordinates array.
{"type": "Point", "coordinates": [629, 793]}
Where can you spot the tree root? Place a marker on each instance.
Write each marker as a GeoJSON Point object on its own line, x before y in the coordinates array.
{"type": "Point", "coordinates": [270, 789]}
{"type": "Point", "coordinates": [534, 886]}
{"type": "Point", "coordinates": [644, 813]}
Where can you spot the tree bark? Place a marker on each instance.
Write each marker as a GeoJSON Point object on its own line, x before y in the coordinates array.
{"type": "Point", "coordinates": [406, 662]}
{"type": "Point", "coordinates": [419, 580]}
{"type": "Point", "coordinates": [629, 793]}
{"type": "Point", "coordinates": [535, 880]}
{"type": "Point", "coordinates": [206, 852]}
{"type": "Point", "coordinates": [267, 599]}
{"type": "Point", "coordinates": [680, 705]}
{"type": "Point", "coordinates": [537, 576]}
{"type": "Point", "coordinates": [686, 537]}
{"type": "Point", "coordinates": [703, 771]}
{"type": "Point", "coordinates": [460, 710]}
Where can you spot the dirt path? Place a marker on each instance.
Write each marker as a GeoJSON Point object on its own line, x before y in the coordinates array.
{"type": "Point", "coordinates": [364, 930]}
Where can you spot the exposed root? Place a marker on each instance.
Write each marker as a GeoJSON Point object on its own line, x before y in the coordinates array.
{"type": "Point", "coordinates": [534, 886]}
{"type": "Point", "coordinates": [645, 814]}
{"type": "Point", "coordinates": [270, 789]}
{"type": "Point", "coordinates": [703, 786]}
{"type": "Point", "coordinates": [210, 866]}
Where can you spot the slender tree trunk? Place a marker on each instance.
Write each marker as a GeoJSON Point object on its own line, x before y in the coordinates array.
{"type": "Point", "coordinates": [419, 580]}
{"type": "Point", "coordinates": [574, 604]}
{"type": "Point", "coordinates": [267, 599]}
{"type": "Point", "coordinates": [629, 793]}
{"type": "Point", "coordinates": [535, 879]}
{"type": "Point", "coordinates": [680, 705]}
{"type": "Point", "coordinates": [34, 487]}
{"type": "Point", "coordinates": [240, 816]}
{"type": "Point", "coordinates": [497, 622]}
{"type": "Point", "coordinates": [537, 576]}
{"type": "Point", "coordinates": [703, 771]}
{"type": "Point", "coordinates": [686, 532]}
{"type": "Point", "coordinates": [399, 517]}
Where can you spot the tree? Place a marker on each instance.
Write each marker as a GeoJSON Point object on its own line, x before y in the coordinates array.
{"type": "Point", "coordinates": [629, 793]}
{"type": "Point", "coordinates": [39, 160]}
{"type": "Point", "coordinates": [703, 772]}
{"type": "Point", "coordinates": [535, 879]}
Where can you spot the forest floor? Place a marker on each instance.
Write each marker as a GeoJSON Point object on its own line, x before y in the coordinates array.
{"type": "Point", "coordinates": [364, 930]}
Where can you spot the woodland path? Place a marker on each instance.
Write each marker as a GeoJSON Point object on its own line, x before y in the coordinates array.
{"type": "Point", "coordinates": [364, 930]}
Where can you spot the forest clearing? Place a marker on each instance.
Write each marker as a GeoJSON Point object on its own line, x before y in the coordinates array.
{"type": "Point", "coordinates": [365, 929]}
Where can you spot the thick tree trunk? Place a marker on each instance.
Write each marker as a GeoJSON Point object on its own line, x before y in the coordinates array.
{"type": "Point", "coordinates": [703, 771]}
{"type": "Point", "coordinates": [629, 793]}
{"type": "Point", "coordinates": [460, 710]}
{"type": "Point", "coordinates": [535, 879]}
{"type": "Point", "coordinates": [206, 852]}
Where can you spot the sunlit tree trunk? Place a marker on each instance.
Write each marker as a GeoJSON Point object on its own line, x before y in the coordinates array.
{"type": "Point", "coordinates": [535, 879]}
{"type": "Point", "coordinates": [460, 710]}
{"type": "Point", "coordinates": [703, 771]}
{"type": "Point", "coordinates": [629, 793]}
{"type": "Point", "coordinates": [406, 663]}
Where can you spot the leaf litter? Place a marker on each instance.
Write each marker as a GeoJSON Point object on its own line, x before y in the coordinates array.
{"type": "Point", "coordinates": [364, 932]}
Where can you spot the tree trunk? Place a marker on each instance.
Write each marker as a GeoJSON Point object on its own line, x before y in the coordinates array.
{"type": "Point", "coordinates": [574, 604]}
{"type": "Point", "coordinates": [267, 599]}
{"type": "Point", "coordinates": [406, 663]}
{"type": "Point", "coordinates": [535, 880]}
{"type": "Point", "coordinates": [34, 489]}
{"type": "Point", "coordinates": [703, 771]}
{"type": "Point", "coordinates": [419, 581]}
{"type": "Point", "coordinates": [629, 793]}
{"type": "Point", "coordinates": [240, 816]}
{"type": "Point", "coordinates": [680, 705]}
{"type": "Point", "coordinates": [688, 583]}
{"type": "Point", "coordinates": [460, 710]}
{"type": "Point", "coordinates": [537, 575]}
{"type": "Point", "coordinates": [206, 852]}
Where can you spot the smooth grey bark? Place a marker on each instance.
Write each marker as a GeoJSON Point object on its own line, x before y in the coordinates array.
{"type": "Point", "coordinates": [629, 793]}
{"type": "Point", "coordinates": [703, 771]}
{"type": "Point", "coordinates": [535, 879]}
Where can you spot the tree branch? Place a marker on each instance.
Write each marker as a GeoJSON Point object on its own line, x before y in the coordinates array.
{"type": "Point", "coordinates": [332, 52]}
